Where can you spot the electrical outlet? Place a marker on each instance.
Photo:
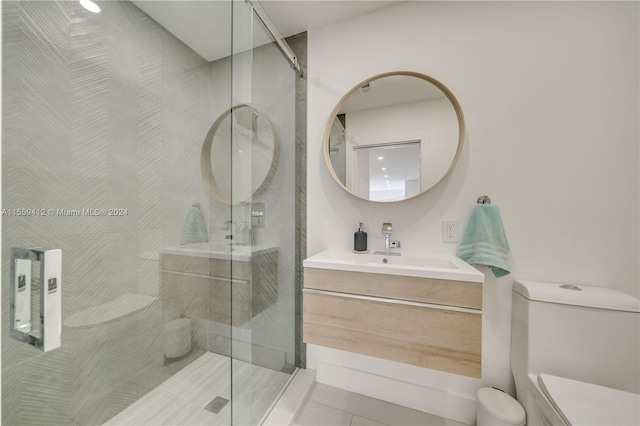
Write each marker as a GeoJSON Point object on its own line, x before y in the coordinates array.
{"type": "Point", "coordinates": [450, 231]}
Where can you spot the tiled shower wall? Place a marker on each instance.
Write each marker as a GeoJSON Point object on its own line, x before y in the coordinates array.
{"type": "Point", "coordinates": [99, 111]}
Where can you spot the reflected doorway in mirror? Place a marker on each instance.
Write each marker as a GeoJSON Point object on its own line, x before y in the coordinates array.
{"type": "Point", "coordinates": [386, 172]}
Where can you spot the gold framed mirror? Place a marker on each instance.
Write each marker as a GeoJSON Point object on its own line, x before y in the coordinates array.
{"type": "Point", "coordinates": [239, 155]}
{"type": "Point", "coordinates": [393, 136]}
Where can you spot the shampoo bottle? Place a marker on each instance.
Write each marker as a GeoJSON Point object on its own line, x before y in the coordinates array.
{"type": "Point", "coordinates": [360, 241]}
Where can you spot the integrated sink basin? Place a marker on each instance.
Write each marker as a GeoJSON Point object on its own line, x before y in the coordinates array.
{"type": "Point", "coordinates": [411, 265]}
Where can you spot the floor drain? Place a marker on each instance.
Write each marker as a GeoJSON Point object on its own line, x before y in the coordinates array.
{"type": "Point", "coordinates": [217, 404]}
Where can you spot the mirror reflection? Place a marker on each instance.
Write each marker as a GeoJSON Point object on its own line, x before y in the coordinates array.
{"type": "Point", "coordinates": [239, 155]}
{"type": "Point", "coordinates": [394, 137]}
{"type": "Point", "coordinates": [388, 172]}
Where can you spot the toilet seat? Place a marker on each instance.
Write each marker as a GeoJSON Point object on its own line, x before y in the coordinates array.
{"type": "Point", "coordinates": [580, 403]}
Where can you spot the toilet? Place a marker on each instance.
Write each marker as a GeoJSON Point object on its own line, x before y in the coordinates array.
{"type": "Point", "coordinates": [574, 354]}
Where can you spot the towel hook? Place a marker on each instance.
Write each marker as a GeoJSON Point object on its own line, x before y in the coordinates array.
{"type": "Point", "coordinates": [484, 200]}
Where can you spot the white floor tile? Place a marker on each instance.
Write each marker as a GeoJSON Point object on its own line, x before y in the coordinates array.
{"type": "Point", "coordinates": [361, 421]}
{"type": "Point", "coordinates": [284, 412]}
{"type": "Point", "coordinates": [314, 414]}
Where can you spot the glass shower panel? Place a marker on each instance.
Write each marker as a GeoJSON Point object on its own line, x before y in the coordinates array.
{"type": "Point", "coordinates": [104, 120]}
{"type": "Point", "coordinates": [241, 164]}
{"type": "Point", "coordinates": [263, 157]}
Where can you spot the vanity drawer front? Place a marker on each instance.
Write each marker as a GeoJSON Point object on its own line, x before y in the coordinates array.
{"type": "Point", "coordinates": [191, 264]}
{"type": "Point", "coordinates": [441, 339]}
{"type": "Point", "coordinates": [426, 290]}
{"type": "Point", "coordinates": [208, 298]}
{"type": "Point", "coordinates": [206, 266]}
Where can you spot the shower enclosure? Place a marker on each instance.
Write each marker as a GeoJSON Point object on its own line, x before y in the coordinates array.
{"type": "Point", "coordinates": [151, 211]}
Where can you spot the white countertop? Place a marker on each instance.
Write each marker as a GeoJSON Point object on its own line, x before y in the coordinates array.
{"type": "Point", "coordinates": [407, 264]}
{"type": "Point", "coordinates": [224, 251]}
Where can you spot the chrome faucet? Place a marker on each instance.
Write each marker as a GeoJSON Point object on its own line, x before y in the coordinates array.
{"type": "Point", "coordinates": [237, 235]}
{"type": "Point", "coordinates": [387, 231]}
{"type": "Point", "coordinates": [228, 226]}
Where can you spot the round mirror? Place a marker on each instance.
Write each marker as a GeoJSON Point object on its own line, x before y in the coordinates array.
{"type": "Point", "coordinates": [239, 155]}
{"type": "Point", "coordinates": [393, 136]}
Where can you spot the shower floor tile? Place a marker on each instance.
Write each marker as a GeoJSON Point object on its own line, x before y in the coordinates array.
{"type": "Point", "coordinates": [181, 399]}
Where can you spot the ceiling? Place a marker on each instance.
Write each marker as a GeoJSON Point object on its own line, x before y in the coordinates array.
{"type": "Point", "coordinates": [205, 26]}
{"type": "Point", "coordinates": [391, 90]}
{"type": "Point", "coordinates": [293, 17]}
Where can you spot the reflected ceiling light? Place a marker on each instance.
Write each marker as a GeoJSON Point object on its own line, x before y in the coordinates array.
{"type": "Point", "coordinates": [384, 168]}
{"type": "Point", "coordinates": [90, 6]}
{"type": "Point", "coordinates": [380, 158]}
{"type": "Point", "coordinates": [386, 175]}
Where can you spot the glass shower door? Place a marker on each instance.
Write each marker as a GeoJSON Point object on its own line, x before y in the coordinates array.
{"type": "Point", "coordinates": [263, 205]}
{"type": "Point", "coordinates": [165, 181]}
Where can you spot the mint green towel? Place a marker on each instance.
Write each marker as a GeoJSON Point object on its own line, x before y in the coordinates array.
{"type": "Point", "coordinates": [484, 241]}
{"type": "Point", "coordinates": [194, 231]}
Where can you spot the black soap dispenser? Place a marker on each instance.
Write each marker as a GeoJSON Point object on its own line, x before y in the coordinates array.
{"type": "Point", "coordinates": [360, 241]}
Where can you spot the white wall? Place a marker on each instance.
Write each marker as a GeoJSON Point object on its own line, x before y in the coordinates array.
{"type": "Point", "coordinates": [434, 122]}
{"type": "Point", "coordinates": [550, 95]}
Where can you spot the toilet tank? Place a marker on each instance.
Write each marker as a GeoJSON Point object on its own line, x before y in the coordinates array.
{"type": "Point", "coordinates": [591, 334]}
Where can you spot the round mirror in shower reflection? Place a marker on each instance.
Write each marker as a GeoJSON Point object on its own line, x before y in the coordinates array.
{"type": "Point", "coordinates": [239, 155]}
{"type": "Point", "coordinates": [393, 136]}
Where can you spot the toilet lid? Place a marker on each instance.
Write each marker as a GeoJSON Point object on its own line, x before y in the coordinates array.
{"type": "Point", "coordinates": [581, 403]}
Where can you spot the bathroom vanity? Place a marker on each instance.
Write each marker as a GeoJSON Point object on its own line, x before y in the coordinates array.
{"type": "Point", "coordinates": [414, 309]}
{"type": "Point", "coordinates": [200, 280]}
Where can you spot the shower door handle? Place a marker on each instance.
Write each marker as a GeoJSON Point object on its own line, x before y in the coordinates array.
{"type": "Point", "coordinates": [46, 335]}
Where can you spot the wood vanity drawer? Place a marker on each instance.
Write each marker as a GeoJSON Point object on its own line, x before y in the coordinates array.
{"type": "Point", "coordinates": [427, 290]}
{"type": "Point", "coordinates": [207, 266]}
{"type": "Point", "coordinates": [438, 338]}
{"type": "Point", "coordinates": [199, 296]}
{"type": "Point", "coordinates": [201, 287]}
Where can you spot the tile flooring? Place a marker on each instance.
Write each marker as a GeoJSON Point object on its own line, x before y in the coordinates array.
{"type": "Point", "coordinates": [181, 399]}
{"type": "Point", "coordinates": [329, 406]}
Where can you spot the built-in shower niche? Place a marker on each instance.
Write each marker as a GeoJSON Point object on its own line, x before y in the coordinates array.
{"type": "Point", "coordinates": [224, 290]}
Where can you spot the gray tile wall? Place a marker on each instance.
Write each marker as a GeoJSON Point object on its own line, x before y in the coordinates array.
{"type": "Point", "coordinates": [99, 111]}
